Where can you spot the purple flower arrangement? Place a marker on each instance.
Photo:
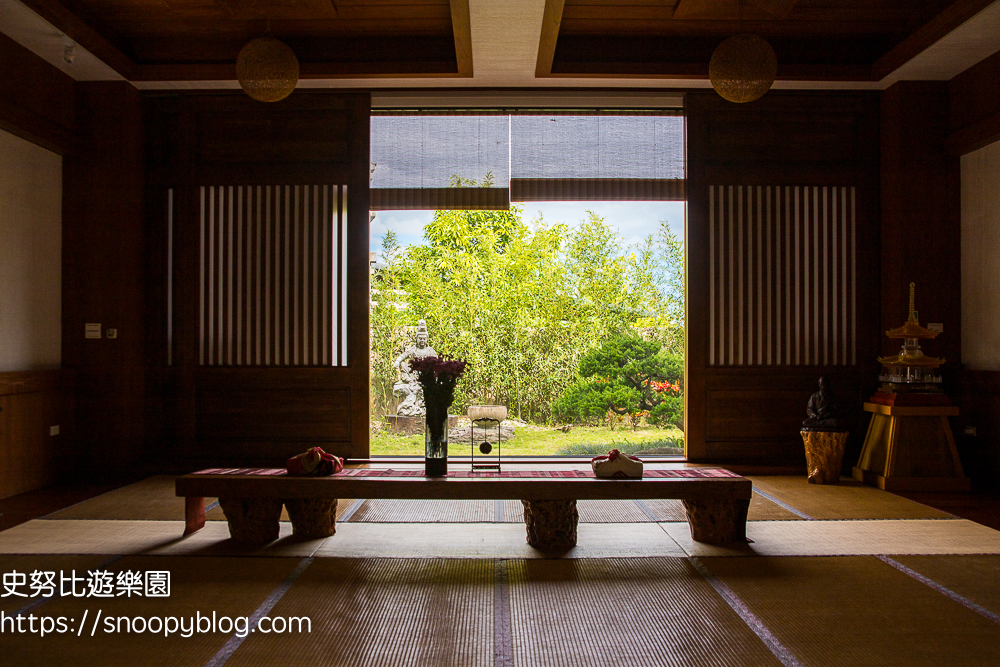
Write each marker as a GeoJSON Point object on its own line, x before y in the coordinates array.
{"type": "Point", "coordinates": [440, 370]}
{"type": "Point", "coordinates": [438, 376]}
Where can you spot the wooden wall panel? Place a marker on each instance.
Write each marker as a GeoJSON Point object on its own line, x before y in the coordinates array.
{"type": "Point", "coordinates": [835, 141]}
{"type": "Point", "coordinates": [225, 404]}
{"type": "Point", "coordinates": [754, 414]}
{"type": "Point", "coordinates": [219, 139]}
{"type": "Point", "coordinates": [263, 416]}
{"type": "Point", "coordinates": [103, 245]}
{"type": "Point", "coordinates": [755, 345]}
{"type": "Point", "coordinates": [921, 215]}
{"type": "Point", "coordinates": [237, 414]}
{"type": "Point", "coordinates": [300, 136]}
{"type": "Point", "coordinates": [37, 101]}
{"type": "Point", "coordinates": [30, 403]}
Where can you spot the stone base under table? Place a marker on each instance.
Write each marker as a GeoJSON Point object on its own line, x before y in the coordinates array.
{"type": "Point", "coordinates": [717, 522]}
{"type": "Point", "coordinates": [252, 520]}
{"type": "Point", "coordinates": [256, 520]}
{"type": "Point", "coordinates": [312, 517]}
{"type": "Point", "coordinates": [824, 455]}
{"type": "Point", "coordinates": [551, 524]}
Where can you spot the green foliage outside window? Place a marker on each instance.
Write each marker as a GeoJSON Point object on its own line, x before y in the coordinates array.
{"type": "Point", "coordinates": [522, 302]}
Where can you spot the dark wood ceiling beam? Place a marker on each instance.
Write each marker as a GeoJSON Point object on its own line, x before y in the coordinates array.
{"type": "Point", "coordinates": [551, 21]}
{"type": "Point", "coordinates": [779, 9]}
{"type": "Point", "coordinates": [704, 9]}
{"type": "Point", "coordinates": [955, 15]}
{"type": "Point", "coordinates": [730, 9]}
{"type": "Point", "coordinates": [461, 27]}
{"type": "Point", "coordinates": [76, 29]}
{"type": "Point", "coordinates": [699, 71]}
{"type": "Point", "coordinates": [243, 9]}
{"type": "Point", "coordinates": [307, 71]}
{"type": "Point", "coordinates": [639, 24]}
{"type": "Point", "coordinates": [981, 133]}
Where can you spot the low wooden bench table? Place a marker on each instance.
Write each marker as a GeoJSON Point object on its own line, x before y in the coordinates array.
{"type": "Point", "coordinates": [716, 500]}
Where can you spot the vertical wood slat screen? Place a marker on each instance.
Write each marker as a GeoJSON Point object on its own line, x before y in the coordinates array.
{"type": "Point", "coordinates": [782, 283]}
{"type": "Point", "coordinates": [273, 275]}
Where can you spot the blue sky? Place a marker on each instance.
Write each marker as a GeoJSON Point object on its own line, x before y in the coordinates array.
{"type": "Point", "coordinates": [634, 220]}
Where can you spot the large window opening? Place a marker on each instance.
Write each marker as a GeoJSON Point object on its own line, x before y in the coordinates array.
{"type": "Point", "coordinates": [548, 252]}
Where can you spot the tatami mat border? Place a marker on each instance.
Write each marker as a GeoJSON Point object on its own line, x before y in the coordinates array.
{"type": "Point", "coordinates": [947, 592]}
{"type": "Point", "coordinates": [265, 607]}
{"type": "Point", "coordinates": [779, 650]}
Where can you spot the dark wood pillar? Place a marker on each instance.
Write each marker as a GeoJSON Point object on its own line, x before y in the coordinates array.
{"type": "Point", "coordinates": [921, 215]}
{"type": "Point", "coordinates": [103, 180]}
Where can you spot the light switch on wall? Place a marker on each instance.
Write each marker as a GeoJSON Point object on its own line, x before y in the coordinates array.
{"type": "Point", "coordinates": [54, 430]}
{"type": "Point", "coordinates": [112, 333]}
{"type": "Point", "coordinates": [92, 330]}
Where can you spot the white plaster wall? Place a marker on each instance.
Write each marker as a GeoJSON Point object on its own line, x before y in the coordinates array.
{"type": "Point", "coordinates": [981, 259]}
{"type": "Point", "coordinates": [30, 256]}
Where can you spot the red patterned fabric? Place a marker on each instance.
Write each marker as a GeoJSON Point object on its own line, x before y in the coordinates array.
{"type": "Point", "coordinates": [314, 463]}
{"type": "Point", "coordinates": [612, 455]}
{"type": "Point", "coordinates": [242, 471]}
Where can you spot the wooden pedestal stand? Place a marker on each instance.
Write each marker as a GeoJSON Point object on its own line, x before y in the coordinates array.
{"type": "Point", "coordinates": [824, 455]}
{"type": "Point", "coordinates": [911, 449]}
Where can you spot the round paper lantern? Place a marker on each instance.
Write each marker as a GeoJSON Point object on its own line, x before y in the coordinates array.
{"type": "Point", "coordinates": [743, 68]}
{"type": "Point", "coordinates": [267, 69]}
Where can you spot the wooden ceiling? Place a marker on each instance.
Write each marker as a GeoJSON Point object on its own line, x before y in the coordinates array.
{"type": "Point", "coordinates": [815, 40]}
{"type": "Point", "coordinates": [191, 40]}
{"type": "Point", "coordinates": [198, 40]}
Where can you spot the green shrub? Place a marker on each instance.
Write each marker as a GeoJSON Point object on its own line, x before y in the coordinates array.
{"type": "Point", "coordinates": [626, 375]}
{"type": "Point", "coordinates": [668, 413]}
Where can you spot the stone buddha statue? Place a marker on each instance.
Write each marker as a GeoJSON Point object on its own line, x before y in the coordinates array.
{"type": "Point", "coordinates": [408, 385]}
{"type": "Point", "coordinates": [823, 411]}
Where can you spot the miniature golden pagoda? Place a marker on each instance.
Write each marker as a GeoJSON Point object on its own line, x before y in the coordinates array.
{"type": "Point", "coordinates": [909, 445]}
{"type": "Point", "coordinates": [910, 372]}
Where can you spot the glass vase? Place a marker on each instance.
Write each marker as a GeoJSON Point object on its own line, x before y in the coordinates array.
{"type": "Point", "coordinates": [436, 443]}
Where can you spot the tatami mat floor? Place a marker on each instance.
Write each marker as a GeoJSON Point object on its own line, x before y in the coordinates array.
{"type": "Point", "coordinates": [836, 575]}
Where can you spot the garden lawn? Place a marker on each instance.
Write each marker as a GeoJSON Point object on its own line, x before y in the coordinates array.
{"type": "Point", "coordinates": [534, 441]}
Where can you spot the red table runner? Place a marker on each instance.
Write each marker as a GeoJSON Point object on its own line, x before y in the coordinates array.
{"type": "Point", "coordinates": [681, 473]}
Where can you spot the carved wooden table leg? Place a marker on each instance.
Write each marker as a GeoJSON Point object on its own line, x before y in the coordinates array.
{"type": "Point", "coordinates": [312, 517]}
{"type": "Point", "coordinates": [551, 524]}
{"type": "Point", "coordinates": [252, 519]}
{"type": "Point", "coordinates": [717, 521]}
{"type": "Point", "coordinates": [194, 514]}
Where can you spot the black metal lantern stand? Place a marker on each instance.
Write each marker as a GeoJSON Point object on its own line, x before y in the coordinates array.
{"type": "Point", "coordinates": [485, 447]}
